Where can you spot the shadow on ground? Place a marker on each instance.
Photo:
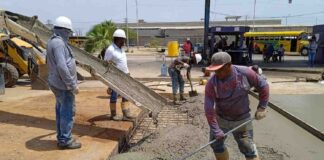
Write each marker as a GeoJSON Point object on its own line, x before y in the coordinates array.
{"type": "Point", "coordinates": [40, 143]}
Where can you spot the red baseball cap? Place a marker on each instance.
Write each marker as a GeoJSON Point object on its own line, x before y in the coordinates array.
{"type": "Point", "coordinates": [218, 60]}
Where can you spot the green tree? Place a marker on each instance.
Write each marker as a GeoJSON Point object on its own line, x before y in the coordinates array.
{"type": "Point", "coordinates": [100, 36]}
{"type": "Point", "coordinates": [154, 42]}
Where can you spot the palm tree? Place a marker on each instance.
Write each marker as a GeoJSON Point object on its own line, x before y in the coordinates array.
{"type": "Point", "coordinates": [100, 36]}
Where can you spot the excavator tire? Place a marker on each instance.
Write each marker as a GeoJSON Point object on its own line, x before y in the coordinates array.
{"type": "Point", "coordinates": [11, 74]}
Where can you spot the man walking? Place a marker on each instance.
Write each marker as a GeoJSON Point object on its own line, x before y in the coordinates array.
{"type": "Point", "coordinates": [62, 79]}
{"type": "Point", "coordinates": [116, 55]}
{"type": "Point", "coordinates": [251, 50]}
{"type": "Point", "coordinates": [227, 104]}
{"type": "Point", "coordinates": [312, 49]}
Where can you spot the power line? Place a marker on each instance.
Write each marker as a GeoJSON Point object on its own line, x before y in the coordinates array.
{"type": "Point", "coordinates": [297, 15]}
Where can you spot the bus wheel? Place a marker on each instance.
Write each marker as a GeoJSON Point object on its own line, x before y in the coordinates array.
{"type": "Point", "coordinates": [304, 52]}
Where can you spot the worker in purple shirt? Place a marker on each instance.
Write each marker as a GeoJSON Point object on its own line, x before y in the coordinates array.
{"type": "Point", "coordinates": [227, 104]}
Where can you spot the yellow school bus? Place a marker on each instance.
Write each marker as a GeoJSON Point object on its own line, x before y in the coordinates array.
{"type": "Point", "coordinates": [293, 41]}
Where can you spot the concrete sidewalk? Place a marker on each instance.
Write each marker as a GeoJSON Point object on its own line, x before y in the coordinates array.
{"type": "Point", "coordinates": [28, 129]}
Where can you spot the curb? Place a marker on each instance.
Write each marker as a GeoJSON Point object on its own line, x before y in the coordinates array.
{"type": "Point", "coordinates": [314, 131]}
{"type": "Point", "coordinates": [167, 79]}
{"type": "Point", "coordinates": [293, 70]}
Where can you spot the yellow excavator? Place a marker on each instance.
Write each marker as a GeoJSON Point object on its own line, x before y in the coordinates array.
{"type": "Point", "coordinates": [19, 57]}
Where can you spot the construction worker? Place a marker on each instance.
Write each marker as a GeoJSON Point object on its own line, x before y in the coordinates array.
{"type": "Point", "coordinates": [62, 79]}
{"type": "Point", "coordinates": [227, 104]}
{"type": "Point", "coordinates": [117, 56]}
{"type": "Point", "coordinates": [181, 64]}
{"type": "Point", "coordinates": [312, 49]}
{"type": "Point", "coordinates": [251, 50]}
{"type": "Point", "coordinates": [187, 47]}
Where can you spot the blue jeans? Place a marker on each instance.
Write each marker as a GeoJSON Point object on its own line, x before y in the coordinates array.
{"type": "Point", "coordinates": [114, 96]}
{"type": "Point", "coordinates": [243, 136]}
{"type": "Point", "coordinates": [311, 58]}
{"type": "Point", "coordinates": [177, 81]}
{"type": "Point", "coordinates": [65, 111]}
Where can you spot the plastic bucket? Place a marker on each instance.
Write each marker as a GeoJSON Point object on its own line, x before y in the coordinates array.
{"type": "Point", "coordinates": [173, 49]}
{"type": "Point", "coordinates": [164, 70]}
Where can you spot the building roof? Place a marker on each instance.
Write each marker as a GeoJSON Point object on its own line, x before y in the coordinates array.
{"type": "Point", "coordinates": [201, 23]}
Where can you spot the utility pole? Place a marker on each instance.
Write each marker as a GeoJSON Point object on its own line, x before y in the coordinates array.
{"type": "Point", "coordinates": [206, 28]}
{"type": "Point", "coordinates": [137, 36]}
{"type": "Point", "coordinates": [286, 20]}
{"type": "Point", "coordinates": [254, 16]}
{"type": "Point", "coordinates": [127, 26]}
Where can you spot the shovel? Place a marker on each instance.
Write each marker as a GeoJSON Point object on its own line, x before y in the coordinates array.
{"type": "Point", "coordinates": [192, 93]}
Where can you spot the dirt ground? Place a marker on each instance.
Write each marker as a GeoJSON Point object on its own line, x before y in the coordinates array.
{"type": "Point", "coordinates": [28, 125]}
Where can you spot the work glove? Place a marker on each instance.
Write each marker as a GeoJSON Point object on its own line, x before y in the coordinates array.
{"type": "Point", "coordinates": [76, 90]}
{"type": "Point", "coordinates": [219, 135]}
{"type": "Point", "coordinates": [260, 113]}
{"type": "Point", "coordinates": [185, 65]}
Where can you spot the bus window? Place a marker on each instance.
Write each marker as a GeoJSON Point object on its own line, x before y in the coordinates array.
{"type": "Point", "coordinates": [303, 36]}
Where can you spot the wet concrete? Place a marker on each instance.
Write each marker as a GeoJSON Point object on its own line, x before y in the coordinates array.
{"type": "Point", "coordinates": [276, 137]}
{"type": "Point", "coordinates": [308, 108]}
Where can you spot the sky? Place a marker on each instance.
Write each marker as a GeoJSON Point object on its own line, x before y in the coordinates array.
{"type": "Point", "coordinates": [86, 13]}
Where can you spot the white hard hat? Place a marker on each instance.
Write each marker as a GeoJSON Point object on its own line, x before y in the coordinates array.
{"type": "Point", "coordinates": [188, 38]}
{"type": "Point", "coordinates": [198, 58]}
{"type": "Point", "coordinates": [119, 33]}
{"type": "Point", "coordinates": [63, 22]}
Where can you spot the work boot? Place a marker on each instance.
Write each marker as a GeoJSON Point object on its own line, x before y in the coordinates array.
{"type": "Point", "coordinates": [72, 145]}
{"type": "Point", "coordinates": [222, 156]}
{"type": "Point", "coordinates": [255, 158]}
{"type": "Point", "coordinates": [113, 113]}
{"type": "Point", "coordinates": [182, 98]}
{"type": "Point", "coordinates": [175, 100]}
{"type": "Point", "coordinates": [126, 111]}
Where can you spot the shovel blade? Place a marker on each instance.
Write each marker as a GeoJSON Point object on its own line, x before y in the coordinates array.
{"type": "Point", "coordinates": [193, 93]}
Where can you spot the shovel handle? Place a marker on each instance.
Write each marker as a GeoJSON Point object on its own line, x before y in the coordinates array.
{"type": "Point", "coordinates": [189, 78]}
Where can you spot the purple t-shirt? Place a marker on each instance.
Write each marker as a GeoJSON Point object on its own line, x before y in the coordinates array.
{"type": "Point", "coordinates": [228, 98]}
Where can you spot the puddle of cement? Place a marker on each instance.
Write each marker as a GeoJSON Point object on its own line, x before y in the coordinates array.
{"type": "Point", "coordinates": [308, 108]}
